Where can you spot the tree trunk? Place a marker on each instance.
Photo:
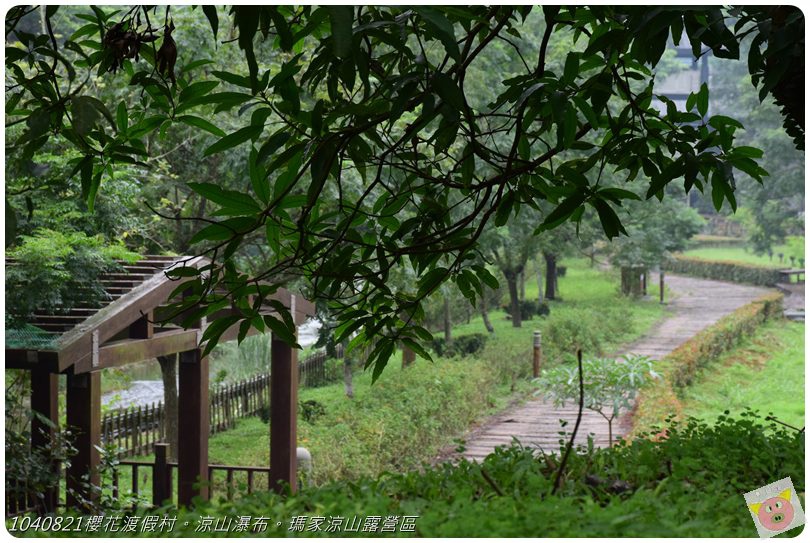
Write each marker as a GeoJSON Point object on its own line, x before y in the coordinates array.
{"type": "Point", "coordinates": [539, 284]}
{"type": "Point", "coordinates": [168, 372]}
{"type": "Point", "coordinates": [551, 276]}
{"type": "Point", "coordinates": [448, 331]}
{"type": "Point", "coordinates": [408, 356]}
{"type": "Point", "coordinates": [485, 316]}
{"type": "Point", "coordinates": [522, 285]}
{"type": "Point", "coordinates": [514, 299]}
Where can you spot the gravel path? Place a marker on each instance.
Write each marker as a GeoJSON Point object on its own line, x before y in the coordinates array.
{"type": "Point", "coordinates": [697, 304]}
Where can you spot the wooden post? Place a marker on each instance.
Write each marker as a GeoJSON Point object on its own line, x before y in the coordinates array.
{"type": "Point", "coordinates": [538, 353]}
{"type": "Point", "coordinates": [193, 428]}
{"type": "Point", "coordinates": [45, 401]}
{"type": "Point", "coordinates": [84, 417]}
{"type": "Point", "coordinates": [162, 475]}
{"type": "Point", "coordinates": [661, 286]}
{"type": "Point", "coordinates": [283, 415]}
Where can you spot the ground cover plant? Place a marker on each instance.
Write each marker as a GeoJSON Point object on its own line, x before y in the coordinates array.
{"type": "Point", "coordinates": [764, 373]}
{"type": "Point", "coordinates": [687, 485]}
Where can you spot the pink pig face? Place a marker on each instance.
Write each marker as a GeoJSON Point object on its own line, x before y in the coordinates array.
{"type": "Point", "coordinates": [775, 514]}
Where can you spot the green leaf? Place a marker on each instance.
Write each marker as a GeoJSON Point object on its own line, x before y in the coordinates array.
{"type": "Point", "coordinates": [281, 331]}
{"type": "Point", "coordinates": [430, 281]}
{"type": "Point", "coordinates": [232, 140]}
{"type": "Point", "coordinates": [234, 79]}
{"type": "Point", "coordinates": [197, 122]}
{"type": "Point", "coordinates": [341, 18]}
{"type": "Point", "coordinates": [196, 90]}
{"type": "Point", "coordinates": [84, 114]}
{"type": "Point", "coordinates": [320, 168]}
{"type": "Point", "coordinates": [702, 99]}
{"type": "Point", "coordinates": [121, 117]}
{"type": "Point", "coordinates": [213, 19]}
{"type": "Point", "coordinates": [749, 152]}
{"type": "Point", "coordinates": [230, 200]}
{"type": "Point", "coordinates": [272, 145]}
{"type": "Point", "coordinates": [611, 223]}
{"type": "Point", "coordinates": [486, 277]}
{"type": "Point", "coordinates": [285, 38]}
{"type": "Point", "coordinates": [448, 91]}
{"type": "Point", "coordinates": [562, 212]}
{"type": "Point", "coordinates": [439, 26]}
{"type": "Point", "coordinates": [258, 177]}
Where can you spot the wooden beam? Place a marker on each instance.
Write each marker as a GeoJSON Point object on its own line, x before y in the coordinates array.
{"type": "Point", "coordinates": [45, 401]}
{"type": "Point", "coordinates": [283, 415]}
{"type": "Point", "coordinates": [110, 320]}
{"type": "Point", "coordinates": [129, 351]}
{"type": "Point", "coordinates": [193, 427]}
{"type": "Point", "coordinates": [28, 359]}
{"type": "Point", "coordinates": [143, 328]}
{"type": "Point", "coordinates": [84, 416]}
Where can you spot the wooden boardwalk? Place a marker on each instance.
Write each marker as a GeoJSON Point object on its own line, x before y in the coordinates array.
{"type": "Point", "coordinates": [697, 304]}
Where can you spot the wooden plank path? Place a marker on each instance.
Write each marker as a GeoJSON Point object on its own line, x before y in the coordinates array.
{"type": "Point", "coordinates": [697, 304]}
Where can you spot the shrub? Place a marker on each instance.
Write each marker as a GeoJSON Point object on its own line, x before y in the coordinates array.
{"type": "Point", "coordinates": [54, 271]}
{"type": "Point", "coordinates": [723, 270]}
{"type": "Point", "coordinates": [465, 345]}
{"type": "Point", "coordinates": [565, 333]}
{"type": "Point", "coordinates": [609, 385]}
{"type": "Point", "coordinates": [688, 485]}
{"type": "Point", "coordinates": [529, 308]}
{"type": "Point", "coordinates": [682, 365]}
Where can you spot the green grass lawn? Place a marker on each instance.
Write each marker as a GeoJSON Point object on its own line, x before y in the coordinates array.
{"type": "Point", "coordinates": [765, 373]}
{"type": "Point", "coordinates": [743, 254]}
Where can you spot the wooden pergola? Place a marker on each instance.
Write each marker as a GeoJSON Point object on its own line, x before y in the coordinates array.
{"type": "Point", "coordinates": [124, 330]}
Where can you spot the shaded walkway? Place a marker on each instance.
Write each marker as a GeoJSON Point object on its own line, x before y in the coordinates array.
{"type": "Point", "coordinates": [697, 304]}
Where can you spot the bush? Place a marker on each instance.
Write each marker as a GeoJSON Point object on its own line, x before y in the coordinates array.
{"type": "Point", "coordinates": [465, 345]}
{"type": "Point", "coordinates": [576, 328]}
{"type": "Point", "coordinates": [723, 270]}
{"type": "Point", "coordinates": [682, 365]}
{"type": "Point", "coordinates": [688, 485]}
{"type": "Point", "coordinates": [55, 271]}
{"type": "Point", "coordinates": [528, 309]}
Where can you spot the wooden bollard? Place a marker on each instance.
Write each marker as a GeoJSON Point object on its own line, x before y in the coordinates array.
{"type": "Point", "coordinates": [161, 477]}
{"type": "Point", "coordinates": [538, 353]}
{"type": "Point", "coordinates": [661, 286]}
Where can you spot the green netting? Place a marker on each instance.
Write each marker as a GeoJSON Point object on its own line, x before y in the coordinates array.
{"type": "Point", "coordinates": [30, 337]}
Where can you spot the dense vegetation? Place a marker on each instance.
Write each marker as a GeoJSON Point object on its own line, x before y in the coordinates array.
{"type": "Point", "coordinates": [725, 270]}
{"type": "Point", "coordinates": [687, 485]}
{"type": "Point", "coordinates": [370, 152]}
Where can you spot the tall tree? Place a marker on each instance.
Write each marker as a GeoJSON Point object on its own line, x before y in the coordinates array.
{"type": "Point", "coordinates": [363, 149]}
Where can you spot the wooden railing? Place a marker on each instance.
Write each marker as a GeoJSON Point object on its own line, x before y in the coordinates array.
{"type": "Point", "coordinates": [160, 475]}
{"type": "Point", "coordinates": [134, 430]}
